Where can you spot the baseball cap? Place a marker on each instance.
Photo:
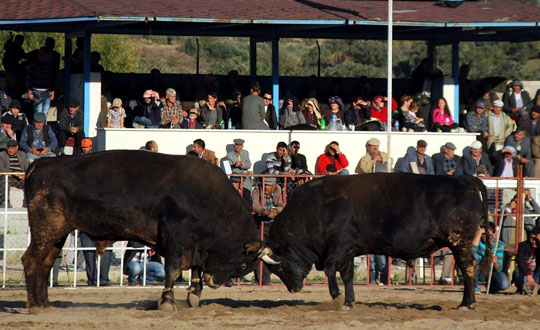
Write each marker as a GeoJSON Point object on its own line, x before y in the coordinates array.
{"type": "Point", "coordinates": [117, 103]}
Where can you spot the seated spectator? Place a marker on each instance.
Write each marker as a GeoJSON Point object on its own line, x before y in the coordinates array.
{"type": "Point", "coordinates": [505, 163]}
{"type": "Point", "coordinates": [279, 162]}
{"type": "Point", "coordinates": [379, 108]}
{"type": "Point", "coordinates": [530, 121]}
{"type": "Point", "coordinates": [148, 113]}
{"type": "Point", "coordinates": [12, 160]}
{"type": "Point", "coordinates": [476, 122]}
{"type": "Point", "coordinates": [298, 161]}
{"type": "Point", "coordinates": [336, 108]}
{"type": "Point", "coordinates": [442, 117]}
{"type": "Point", "coordinates": [500, 126]}
{"type": "Point", "coordinates": [332, 155]}
{"type": "Point", "coordinates": [312, 113]}
{"type": "Point", "coordinates": [400, 114]}
{"type": "Point", "coordinates": [416, 160]}
{"type": "Point", "coordinates": [271, 117]}
{"type": "Point", "coordinates": [171, 112]}
{"type": "Point", "coordinates": [239, 161]}
{"type": "Point", "coordinates": [522, 144]}
{"type": "Point", "coordinates": [206, 154]}
{"type": "Point", "coordinates": [374, 160]}
{"type": "Point", "coordinates": [499, 281]}
{"type": "Point", "coordinates": [515, 100]}
{"type": "Point", "coordinates": [151, 146]}
{"type": "Point", "coordinates": [358, 113]}
{"type": "Point", "coordinates": [116, 114]}
{"type": "Point", "coordinates": [71, 124]}
{"type": "Point", "coordinates": [5, 95]}
{"type": "Point", "coordinates": [290, 114]}
{"type": "Point", "coordinates": [412, 122]}
{"type": "Point", "coordinates": [192, 122]}
{"type": "Point", "coordinates": [134, 261]}
{"type": "Point", "coordinates": [527, 273]}
{"type": "Point", "coordinates": [212, 113]}
{"type": "Point", "coordinates": [38, 140]}
{"type": "Point", "coordinates": [473, 157]}
{"type": "Point", "coordinates": [447, 162]}
{"type": "Point", "coordinates": [20, 120]}
{"type": "Point", "coordinates": [6, 132]}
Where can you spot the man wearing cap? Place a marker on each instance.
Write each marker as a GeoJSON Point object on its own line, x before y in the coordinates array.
{"type": "Point", "coordinates": [516, 99]}
{"type": "Point", "coordinates": [6, 132]}
{"type": "Point", "coordinates": [239, 159]}
{"type": "Point", "coordinates": [500, 126]}
{"type": "Point", "coordinates": [171, 112]}
{"type": "Point", "coordinates": [20, 121]}
{"type": "Point", "coordinates": [12, 160]}
{"type": "Point", "coordinates": [206, 154]}
{"type": "Point", "coordinates": [38, 140]}
{"type": "Point", "coordinates": [447, 162]}
{"type": "Point", "coordinates": [531, 122]}
{"type": "Point", "coordinates": [416, 160]}
{"type": "Point", "coordinates": [253, 114]}
{"type": "Point", "coordinates": [522, 143]}
{"type": "Point", "coordinates": [374, 160]}
{"type": "Point", "coordinates": [476, 121]}
{"type": "Point", "coordinates": [148, 113]}
{"type": "Point", "coordinates": [473, 157]}
{"type": "Point", "coordinates": [71, 124]}
{"type": "Point", "coordinates": [505, 163]}
{"type": "Point", "coordinates": [86, 146]}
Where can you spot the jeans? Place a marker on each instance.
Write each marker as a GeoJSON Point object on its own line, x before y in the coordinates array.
{"type": "Point", "coordinates": [42, 101]}
{"type": "Point", "coordinates": [378, 266]}
{"type": "Point", "coordinates": [154, 271]}
{"type": "Point", "coordinates": [344, 172]}
{"type": "Point", "coordinates": [145, 121]}
{"type": "Point", "coordinates": [90, 260]}
{"type": "Point", "coordinates": [31, 157]}
{"type": "Point", "coordinates": [499, 281]}
{"type": "Point", "coordinates": [520, 278]}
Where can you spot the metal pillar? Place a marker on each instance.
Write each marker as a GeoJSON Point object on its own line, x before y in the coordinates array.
{"type": "Point", "coordinates": [252, 59]}
{"type": "Point", "coordinates": [86, 78]}
{"type": "Point", "coordinates": [389, 83]}
{"type": "Point", "coordinates": [455, 74]}
{"type": "Point", "coordinates": [275, 74]}
{"type": "Point", "coordinates": [67, 68]}
{"type": "Point", "coordinates": [431, 54]}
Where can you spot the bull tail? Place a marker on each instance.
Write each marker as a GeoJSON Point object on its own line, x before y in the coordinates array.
{"type": "Point", "coordinates": [485, 265]}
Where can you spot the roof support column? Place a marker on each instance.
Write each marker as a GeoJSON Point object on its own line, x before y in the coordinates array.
{"type": "Point", "coordinates": [67, 68]}
{"type": "Point", "coordinates": [86, 79]}
{"type": "Point", "coordinates": [455, 75]}
{"type": "Point", "coordinates": [431, 53]}
{"type": "Point", "coordinates": [275, 74]}
{"type": "Point", "coordinates": [252, 59]}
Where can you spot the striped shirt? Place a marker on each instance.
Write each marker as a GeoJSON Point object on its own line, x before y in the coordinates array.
{"type": "Point", "coordinates": [480, 252]}
{"type": "Point", "coordinates": [14, 164]}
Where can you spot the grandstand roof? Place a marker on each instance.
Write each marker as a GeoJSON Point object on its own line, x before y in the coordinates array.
{"type": "Point", "coordinates": [423, 20]}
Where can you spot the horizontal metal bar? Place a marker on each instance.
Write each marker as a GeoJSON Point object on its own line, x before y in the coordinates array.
{"type": "Point", "coordinates": [49, 20]}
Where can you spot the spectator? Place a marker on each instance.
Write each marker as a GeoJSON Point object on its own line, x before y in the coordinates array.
{"type": "Point", "coordinates": [192, 122]}
{"type": "Point", "coordinates": [86, 146]}
{"type": "Point", "coordinates": [148, 113]}
{"type": "Point", "coordinates": [331, 170]}
{"type": "Point", "coordinates": [378, 269]}
{"type": "Point", "coordinates": [40, 81]}
{"type": "Point", "coordinates": [212, 113]}
{"type": "Point", "coordinates": [156, 82]}
{"type": "Point", "coordinates": [290, 114]}
{"type": "Point", "coordinates": [358, 113]}
{"type": "Point", "coordinates": [499, 281]}
{"type": "Point", "coordinates": [271, 117]}
{"type": "Point", "coordinates": [234, 112]}
{"type": "Point", "coordinates": [20, 121]}
{"type": "Point", "coordinates": [151, 146]}
{"type": "Point", "coordinates": [442, 117]}
{"type": "Point", "coordinates": [12, 160]}
{"type": "Point", "coordinates": [447, 162]}
{"type": "Point", "coordinates": [253, 114]}
{"type": "Point", "coordinates": [412, 122]}
{"type": "Point", "coordinates": [206, 154]}
{"type": "Point", "coordinates": [171, 112]}
{"type": "Point", "coordinates": [332, 155]}
{"type": "Point", "coordinates": [279, 162]}
{"type": "Point", "coordinates": [416, 160]}
{"type": "Point", "coordinates": [71, 124]}
{"type": "Point", "coordinates": [54, 56]}
{"type": "Point", "coordinates": [516, 99]}
{"type": "Point", "coordinates": [374, 160]}
{"type": "Point", "coordinates": [239, 161]}
{"type": "Point", "coordinates": [5, 95]}
{"type": "Point", "coordinates": [90, 260]}
{"type": "Point", "coordinates": [116, 115]}
{"type": "Point", "coordinates": [134, 262]}
{"type": "Point", "coordinates": [500, 126]}
{"type": "Point", "coordinates": [14, 54]}
{"type": "Point", "coordinates": [400, 114]}
{"type": "Point", "coordinates": [312, 113]}
{"type": "Point", "coordinates": [527, 273]}
{"type": "Point", "coordinates": [266, 206]}
{"type": "Point", "coordinates": [473, 157]}
{"type": "Point", "coordinates": [336, 108]}
{"type": "Point", "coordinates": [298, 161]}
{"type": "Point", "coordinates": [6, 132]}
{"type": "Point", "coordinates": [95, 57]}
{"type": "Point", "coordinates": [530, 122]}
{"type": "Point", "coordinates": [379, 108]}
{"type": "Point", "coordinates": [38, 139]}
{"type": "Point", "coordinates": [505, 163]}
{"type": "Point", "coordinates": [476, 122]}
{"type": "Point", "coordinates": [522, 144]}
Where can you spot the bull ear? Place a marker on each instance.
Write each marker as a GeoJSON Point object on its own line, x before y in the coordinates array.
{"type": "Point", "coordinates": [253, 246]}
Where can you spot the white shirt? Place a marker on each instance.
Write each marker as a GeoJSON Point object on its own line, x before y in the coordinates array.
{"type": "Point", "coordinates": [519, 100]}
{"type": "Point", "coordinates": [508, 171]}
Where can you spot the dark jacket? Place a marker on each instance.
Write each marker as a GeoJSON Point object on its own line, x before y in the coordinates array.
{"type": "Point", "coordinates": [510, 103]}
{"type": "Point", "coordinates": [204, 118]}
{"type": "Point", "coordinates": [354, 116]}
{"type": "Point", "coordinates": [65, 121]}
{"type": "Point", "coordinates": [298, 162]}
{"type": "Point", "coordinates": [271, 118]}
{"type": "Point", "coordinates": [130, 254]}
{"type": "Point", "coordinates": [151, 111]}
{"type": "Point", "coordinates": [469, 165]}
{"type": "Point", "coordinates": [523, 255]}
{"type": "Point", "coordinates": [498, 158]}
{"type": "Point", "coordinates": [4, 161]}
{"type": "Point", "coordinates": [28, 137]}
{"type": "Point", "coordinates": [185, 124]}
{"type": "Point", "coordinates": [438, 164]}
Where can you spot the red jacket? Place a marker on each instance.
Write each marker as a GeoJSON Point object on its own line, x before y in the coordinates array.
{"type": "Point", "coordinates": [323, 160]}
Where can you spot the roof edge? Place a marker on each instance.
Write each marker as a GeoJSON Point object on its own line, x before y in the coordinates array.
{"type": "Point", "coordinates": [49, 20]}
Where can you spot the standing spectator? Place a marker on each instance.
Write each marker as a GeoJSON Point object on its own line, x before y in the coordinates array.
{"type": "Point", "coordinates": [500, 126]}
{"type": "Point", "coordinates": [527, 273]}
{"type": "Point", "coordinates": [298, 161]}
{"type": "Point", "coordinates": [499, 281]}
{"type": "Point", "coordinates": [14, 54]}
{"type": "Point", "coordinates": [279, 162]}
{"type": "Point", "coordinates": [312, 113]}
{"type": "Point", "coordinates": [516, 99]}
{"type": "Point", "coordinates": [206, 154]}
{"type": "Point", "coordinates": [416, 160]}
{"type": "Point", "coordinates": [374, 160]}
{"type": "Point", "coordinates": [253, 114]}
{"type": "Point", "coordinates": [378, 269]}
{"type": "Point", "coordinates": [148, 113]}
{"type": "Point", "coordinates": [234, 112]}
{"type": "Point", "coordinates": [358, 113]}
{"type": "Point", "coordinates": [90, 260]}
{"type": "Point", "coordinates": [212, 112]}
{"type": "Point", "coordinates": [5, 95]}
{"type": "Point", "coordinates": [239, 160]}
{"type": "Point", "coordinates": [40, 80]}
{"type": "Point", "coordinates": [171, 112]}
{"type": "Point", "coordinates": [522, 143]}
{"type": "Point", "coordinates": [290, 114]}
{"type": "Point", "coordinates": [20, 121]}
{"type": "Point", "coordinates": [71, 124]}
{"type": "Point", "coordinates": [332, 155]}
{"type": "Point", "coordinates": [271, 117]}
{"type": "Point", "coordinates": [442, 117]}
{"type": "Point", "coordinates": [191, 121]}
{"type": "Point", "coordinates": [6, 132]}
{"type": "Point", "coordinates": [336, 108]}
{"type": "Point", "coordinates": [134, 262]}
{"type": "Point", "coordinates": [38, 140]}
{"type": "Point", "coordinates": [12, 160]}
{"type": "Point", "coordinates": [505, 163]}
{"type": "Point", "coordinates": [447, 162]}
{"type": "Point", "coordinates": [151, 146]}
{"type": "Point", "coordinates": [473, 158]}
{"type": "Point", "coordinates": [116, 114]}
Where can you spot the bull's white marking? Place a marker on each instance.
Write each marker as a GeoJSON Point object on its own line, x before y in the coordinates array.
{"type": "Point", "coordinates": [480, 194]}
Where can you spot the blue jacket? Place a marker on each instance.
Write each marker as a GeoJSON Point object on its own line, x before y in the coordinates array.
{"type": "Point", "coordinates": [411, 157]}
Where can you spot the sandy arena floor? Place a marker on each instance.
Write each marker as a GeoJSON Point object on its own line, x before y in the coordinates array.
{"type": "Point", "coordinates": [270, 308]}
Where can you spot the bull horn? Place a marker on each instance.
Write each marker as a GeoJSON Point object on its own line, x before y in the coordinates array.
{"type": "Point", "coordinates": [265, 254]}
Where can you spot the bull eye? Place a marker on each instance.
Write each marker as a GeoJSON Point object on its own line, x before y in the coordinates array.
{"type": "Point", "coordinates": [244, 266]}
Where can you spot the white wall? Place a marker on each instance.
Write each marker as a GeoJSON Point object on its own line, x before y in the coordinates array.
{"type": "Point", "coordinates": [312, 143]}
{"type": "Point", "coordinates": [77, 91]}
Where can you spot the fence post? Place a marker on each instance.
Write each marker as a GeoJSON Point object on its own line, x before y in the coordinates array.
{"type": "Point", "coordinates": [4, 267]}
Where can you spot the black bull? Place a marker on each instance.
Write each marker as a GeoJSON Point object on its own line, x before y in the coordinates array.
{"type": "Point", "coordinates": [329, 221]}
{"type": "Point", "coordinates": [182, 206]}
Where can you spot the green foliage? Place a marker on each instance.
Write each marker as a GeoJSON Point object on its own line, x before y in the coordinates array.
{"type": "Point", "coordinates": [118, 52]}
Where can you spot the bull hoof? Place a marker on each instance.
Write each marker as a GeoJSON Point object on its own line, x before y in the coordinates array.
{"type": "Point", "coordinates": [193, 300]}
{"type": "Point", "coordinates": [39, 310]}
{"type": "Point", "coordinates": [465, 308]}
{"type": "Point", "coordinates": [166, 306]}
{"type": "Point", "coordinates": [346, 307]}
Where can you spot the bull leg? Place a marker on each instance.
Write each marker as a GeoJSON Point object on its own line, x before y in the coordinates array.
{"type": "Point", "coordinates": [347, 275]}
{"type": "Point", "coordinates": [330, 271]}
{"type": "Point", "coordinates": [465, 261]}
{"type": "Point", "coordinates": [195, 289]}
{"type": "Point", "coordinates": [173, 269]}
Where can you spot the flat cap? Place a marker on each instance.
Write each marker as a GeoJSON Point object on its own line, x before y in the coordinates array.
{"type": "Point", "coordinates": [450, 145]}
{"type": "Point", "coordinates": [239, 142]}
{"type": "Point", "coordinates": [421, 143]}
{"type": "Point", "coordinates": [374, 142]}
{"type": "Point", "coordinates": [40, 117]}
{"type": "Point", "coordinates": [476, 145]}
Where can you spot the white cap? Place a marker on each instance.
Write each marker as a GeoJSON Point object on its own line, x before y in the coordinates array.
{"type": "Point", "coordinates": [476, 145]}
{"type": "Point", "coordinates": [498, 103]}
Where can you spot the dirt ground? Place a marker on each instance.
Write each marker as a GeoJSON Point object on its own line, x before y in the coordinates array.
{"type": "Point", "coordinates": [270, 308]}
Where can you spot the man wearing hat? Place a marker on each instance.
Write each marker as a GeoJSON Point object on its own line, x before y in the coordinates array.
{"type": "Point", "coordinates": [416, 160]}
{"type": "Point", "coordinates": [473, 157]}
{"type": "Point", "coordinates": [505, 163]}
{"type": "Point", "coordinates": [12, 160]}
{"type": "Point", "coordinates": [522, 143]}
{"type": "Point", "coordinates": [86, 146]}
{"type": "Point", "coordinates": [71, 124]}
{"type": "Point", "coordinates": [476, 121]}
{"type": "Point", "coordinates": [500, 126]}
{"type": "Point", "coordinates": [239, 158]}
{"type": "Point", "coordinates": [6, 132]}
{"type": "Point", "coordinates": [148, 113]}
{"type": "Point", "coordinates": [374, 160]}
{"type": "Point", "coordinates": [38, 140]}
{"type": "Point", "coordinates": [20, 120]}
{"type": "Point", "coordinates": [447, 162]}
{"type": "Point", "coordinates": [516, 99]}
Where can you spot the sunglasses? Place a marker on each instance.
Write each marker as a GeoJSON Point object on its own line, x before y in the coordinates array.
{"type": "Point", "coordinates": [295, 147]}
{"type": "Point", "coordinates": [268, 98]}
